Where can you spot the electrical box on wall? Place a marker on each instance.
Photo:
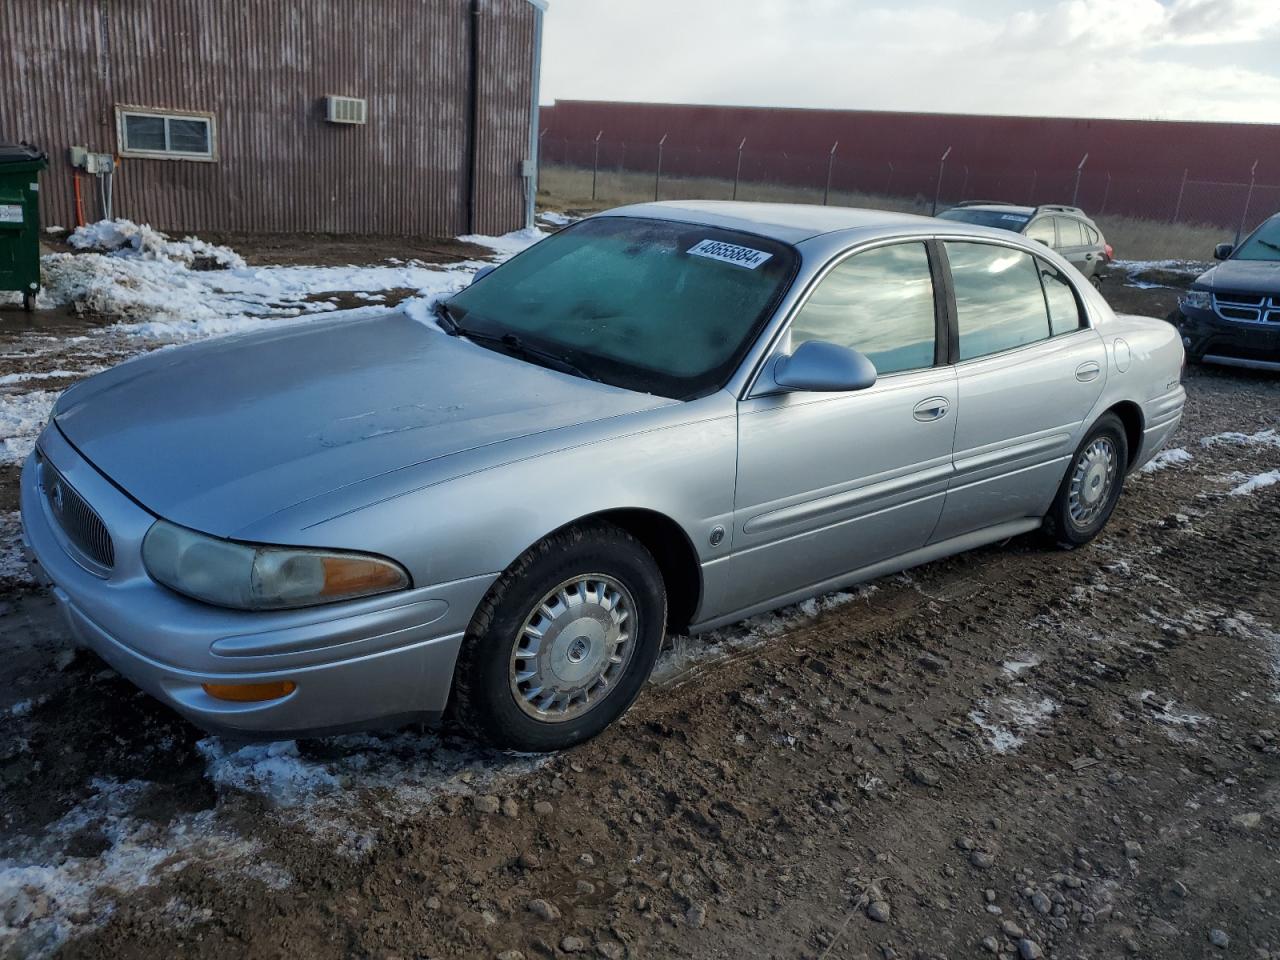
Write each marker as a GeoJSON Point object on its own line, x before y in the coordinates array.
{"type": "Point", "coordinates": [93, 163]}
{"type": "Point", "coordinates": [346, 110]}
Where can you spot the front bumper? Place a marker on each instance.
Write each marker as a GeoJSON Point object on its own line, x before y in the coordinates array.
{"type": "Point", "coordinates": [1207, 337]}
{"type": "Point", "coordinates": [367, 663]}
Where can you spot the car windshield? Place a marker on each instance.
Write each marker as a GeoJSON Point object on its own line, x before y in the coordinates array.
{"type": "Point", "coordinates": [1002, 219]}
{"type": "Point", "coordinates": [651, 305]}
{"type": "Point", "coordinates": [1262, 244]}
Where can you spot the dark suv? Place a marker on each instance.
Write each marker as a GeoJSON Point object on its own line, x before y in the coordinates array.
{"type": "Point", "coordinates": [1231, 314]}
{"type": "Point", "coordinates": [1067, 229]}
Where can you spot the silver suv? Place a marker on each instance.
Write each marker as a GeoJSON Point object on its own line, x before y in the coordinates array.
{"type": "Point", "coordinates": [1066, 229]}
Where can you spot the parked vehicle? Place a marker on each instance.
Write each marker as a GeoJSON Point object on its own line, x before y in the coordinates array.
{"type": "Point", "coordinates": [668, 416]}
{"type": "Point", "coordinates": [1066, 229]}
{"type": "Point", "coordinates": [1231, 314]}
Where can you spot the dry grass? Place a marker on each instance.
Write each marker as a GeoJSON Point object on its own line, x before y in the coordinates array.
{"type": "Point", "coordinates": [568, 189]}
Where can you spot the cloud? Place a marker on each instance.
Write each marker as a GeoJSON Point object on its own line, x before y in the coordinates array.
{"type": "Point", "coordinates": [1180, 59]}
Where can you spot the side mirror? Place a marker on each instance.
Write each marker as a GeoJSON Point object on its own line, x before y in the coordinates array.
{"type": "Point", "coordinates": [821, 367]}
{"type": "Point", "coordinates": [483, 272]}
{"type": "Point", "coordinates": [1223, 250]}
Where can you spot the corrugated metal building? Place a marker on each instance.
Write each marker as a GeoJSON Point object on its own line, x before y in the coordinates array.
{"type": "Point", "coordinates": [221, 115]}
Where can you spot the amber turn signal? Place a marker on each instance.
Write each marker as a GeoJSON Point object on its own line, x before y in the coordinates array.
{"type": "Point", "coordinates": [250, 692]}
{"type": "Point", "coordinates": [355, 576]}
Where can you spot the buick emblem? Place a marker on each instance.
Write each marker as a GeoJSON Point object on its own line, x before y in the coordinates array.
{"type": "Point", "coordinates": [57, 495]}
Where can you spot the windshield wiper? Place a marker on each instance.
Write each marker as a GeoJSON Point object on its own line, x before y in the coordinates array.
{"type": "Point", "coordinates": [511, 344]}
{"type": "Point", "coordinates": [1268, 243]}
{"type": "Point", "coordinates": [445, 316]}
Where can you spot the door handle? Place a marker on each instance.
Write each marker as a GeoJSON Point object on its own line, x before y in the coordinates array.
{"type": "Point", "coordinates": [935, 408]}
{"type": "Point", "coordinates": [1088, 371]}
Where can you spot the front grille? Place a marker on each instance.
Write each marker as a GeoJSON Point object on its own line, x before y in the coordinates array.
{"type": "Point", "coordinates": [1247, 307]}
{"type": "Point", "coordinates": [82, 526]}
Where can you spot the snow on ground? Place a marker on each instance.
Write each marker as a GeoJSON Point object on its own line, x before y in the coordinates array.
{"type": "Point", "coordinates": [1165, 459]}
{"type": "Point", "coordinates": [687, 653]}
{"type": "Point", "coordinates": [48, 895]}
{"type": "Point", "coordinates": [328, 791]}
{"type": "Point", "coordinates": [1263, 438]}
{"type": "Point", "coordinates": [124, 238]}
{"type": "Point", "coordinates": [13, 567]}
{"type": "Point", "coordinates": [1005, 721]}
{"type": "Point", "coordinates": [1135, 268]}
{"type": "Point", "coordinates": [22, 417]}
{"type": "Point", "coordinates": [1246, 484]}
{"type": "Point", "coordinates": [509, 244]}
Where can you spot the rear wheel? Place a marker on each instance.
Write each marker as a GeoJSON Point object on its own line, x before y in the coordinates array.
{"type": "Point", "coordinates": [563, 642]}
{"type": "Point", "coordinates": [1092, 486]}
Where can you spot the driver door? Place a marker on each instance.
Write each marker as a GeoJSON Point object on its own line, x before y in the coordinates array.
{"type": "Point", "coordinates": [832, 482]}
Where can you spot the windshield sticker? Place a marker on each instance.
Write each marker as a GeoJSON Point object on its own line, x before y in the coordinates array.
{"type": "Point", "coordinates": [729, 253]}
{"type": "Point", "coordinates": [1012, 216]}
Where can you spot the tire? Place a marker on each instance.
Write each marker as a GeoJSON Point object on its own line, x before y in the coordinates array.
{"type": "Point", "coordinates": [1081, 509]}
{"type": "Point", "coordinates": [585, 576]}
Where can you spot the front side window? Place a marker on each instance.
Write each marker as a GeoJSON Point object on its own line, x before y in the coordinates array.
{"type": "Point", "coordinates": [1064, 309]}
{"type": "Point", "coordinates": [999, 301]}
{"type": "Point", "coordinates": [1042, 230]}
{"type": "Point", "coordinates": [880, 303]}
{"type": "Point", "coordinates": [170, 136]}
{"type": "Point", "coordinates": [656, 306]}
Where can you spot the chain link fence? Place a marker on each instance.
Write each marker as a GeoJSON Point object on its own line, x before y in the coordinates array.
{"type": "Point", "coordinates": [604, 172]}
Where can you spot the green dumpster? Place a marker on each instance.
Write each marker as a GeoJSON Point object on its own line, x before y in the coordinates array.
{"type": "Point", "coordinates": [20, 166]}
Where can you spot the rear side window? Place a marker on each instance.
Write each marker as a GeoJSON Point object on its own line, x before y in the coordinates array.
{"type": "Point", "coordinates": [1093, 235]}
{"type": "Point", "coordinates": [1069, 233]}
{"type": "Point", "coordinates": [1000, 303]}
{"type": "Point", "coordinates": [1064, 309]}
{"type": "Point", "coordinates": [880, 303]}
{"type": "Point", "coordinates": [1042, 230]}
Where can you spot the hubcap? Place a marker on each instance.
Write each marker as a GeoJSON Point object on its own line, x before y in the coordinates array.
{"type": "Point", "coordinates": [1092, 480]}
{"type": "Point", "coordinates": [573, 648]}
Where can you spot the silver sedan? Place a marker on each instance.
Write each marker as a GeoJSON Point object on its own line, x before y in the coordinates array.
{"type": "Point", "coordinates": [665, 417]}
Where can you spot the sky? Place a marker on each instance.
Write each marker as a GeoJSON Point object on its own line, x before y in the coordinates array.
{"type": "Point", "coordinates": [1144, 59]}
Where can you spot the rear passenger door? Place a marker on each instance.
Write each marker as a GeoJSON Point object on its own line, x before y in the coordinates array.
{"type": "Point", "coordinates": [1029, 372]}
{"type": "Point", "coordinates": [1073, 243]}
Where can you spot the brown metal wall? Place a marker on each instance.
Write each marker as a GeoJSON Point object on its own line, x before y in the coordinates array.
{"type": "Point", "coordinates": [263, 70]}
{"type": "Point", "coordinates": [506, 38]}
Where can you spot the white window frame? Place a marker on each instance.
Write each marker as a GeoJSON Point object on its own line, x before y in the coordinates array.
{"type": "Point", "coordinates": [129, 110]}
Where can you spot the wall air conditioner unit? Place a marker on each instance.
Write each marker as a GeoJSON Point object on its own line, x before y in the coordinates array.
{"type": "Point", "coordinates": [346, 110]}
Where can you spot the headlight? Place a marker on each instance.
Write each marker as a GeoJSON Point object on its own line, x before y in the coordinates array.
{"type": "Point", "coordinates": [1198, 299]}
{"type": "Point", "coordinates": [249, 577]}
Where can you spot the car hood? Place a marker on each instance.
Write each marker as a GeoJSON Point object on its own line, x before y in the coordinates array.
{"type": "Point", "coordinates": [221, 434]}
{"type": "Point", "coordinates": [1242, 276]}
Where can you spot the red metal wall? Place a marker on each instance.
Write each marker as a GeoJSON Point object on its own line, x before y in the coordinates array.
{"type": "Point", "coordinates": [263, 70]}
{"type": "Point", "coordinates": [1005, 156]}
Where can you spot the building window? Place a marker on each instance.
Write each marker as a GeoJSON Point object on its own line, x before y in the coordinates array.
{"type": "Point", "coordinates": [166, 135]}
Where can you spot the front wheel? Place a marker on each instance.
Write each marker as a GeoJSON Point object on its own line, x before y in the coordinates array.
{"type": "Point", "coordinates": [563, 642]}
{"type": "Point", "coordinates": [1092, 486]}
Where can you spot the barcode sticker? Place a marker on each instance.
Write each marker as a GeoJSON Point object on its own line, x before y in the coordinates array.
{"type": "Point", "coordinates": [729, 253]}
{"type": "Point", "coordinates": [10, 213]}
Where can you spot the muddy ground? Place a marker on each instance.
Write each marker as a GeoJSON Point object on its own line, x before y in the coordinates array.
{"type": "Point", "coordinates": [1021, 751]}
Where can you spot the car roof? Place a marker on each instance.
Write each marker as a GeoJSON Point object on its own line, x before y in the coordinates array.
{"type": "Point", "coordinates": [787, 222]}
{"type": "Point", "coordinates": [997, 207]}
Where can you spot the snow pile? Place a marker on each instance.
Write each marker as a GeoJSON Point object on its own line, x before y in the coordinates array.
{"type": "Point", "coordinates": [509, 244]}
{"type": "Point", "coordinates": [22, 417]}
{"type": "Point", "coordinates": [1005, 721]}
{"type": "Point", "coordinates": [48, 895]}
{"type": "Point", "coordinates": [1165, 459]}
{"type": "Point", "coordinates": [557, 219]}
{"type": "Point", "coordinates": [124, 238]}
{"type": "Point", "coordinates": [1263, 438]}
{"type": "Point", "coordinates": [1246, 484]}
{"type": "Point", "coordinates": [1135, 268]}
{"type": "Point", "coordinates": [687, 652]}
